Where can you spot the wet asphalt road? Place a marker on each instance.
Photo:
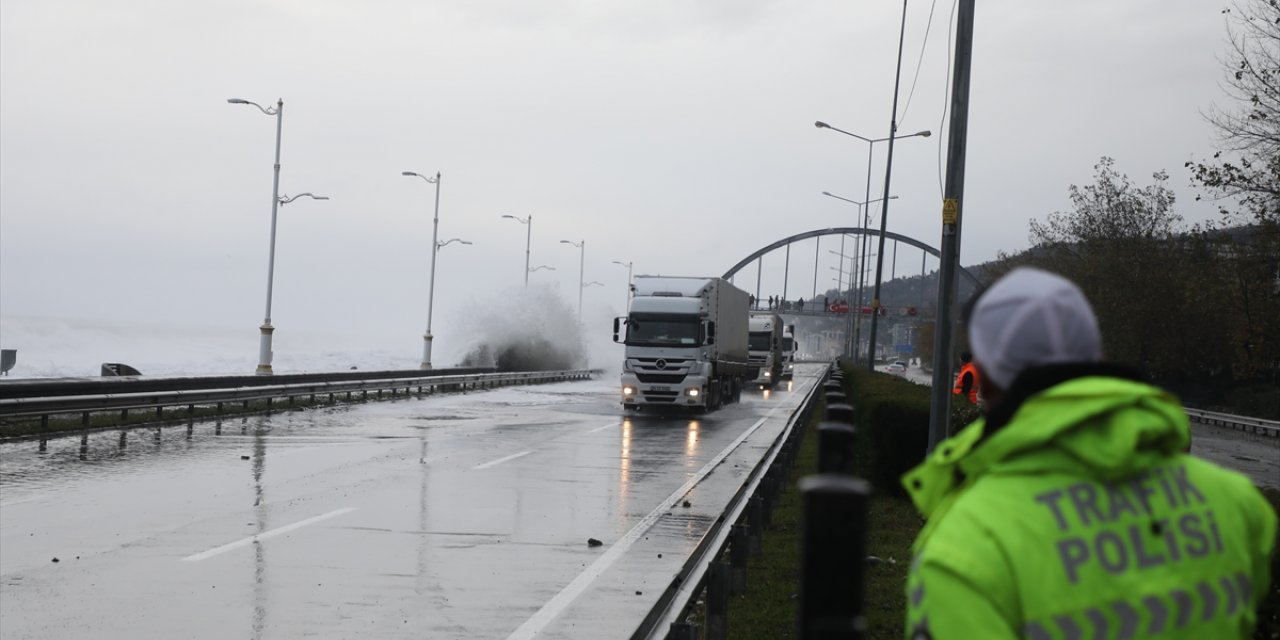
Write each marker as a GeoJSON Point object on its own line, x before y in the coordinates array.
{"type": "Point", "coordinates": [463, 516]}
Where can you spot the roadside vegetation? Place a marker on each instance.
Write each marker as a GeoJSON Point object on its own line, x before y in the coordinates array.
{"type": "Point", "coordinates": [1194, 307]}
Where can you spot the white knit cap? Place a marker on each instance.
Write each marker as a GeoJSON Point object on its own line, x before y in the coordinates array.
{"type": "Point", "coordinates": [1031, 318]}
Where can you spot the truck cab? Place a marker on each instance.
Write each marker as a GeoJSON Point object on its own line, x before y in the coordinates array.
{"type": "Point", "coordinates": [686, 343]}
{"type": "Point", "coordinates": [764, 349]}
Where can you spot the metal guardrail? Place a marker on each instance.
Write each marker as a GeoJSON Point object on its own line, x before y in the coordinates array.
{"type": "Point", "coordinates": [765, 481]}
{"type": "Point", "coordinates": [85, 405]}
{"type": "Point", "coordinates": [1248, 424]}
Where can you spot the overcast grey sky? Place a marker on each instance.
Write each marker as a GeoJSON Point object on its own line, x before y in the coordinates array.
{"type": "Point", "coordinates": [676, 134]}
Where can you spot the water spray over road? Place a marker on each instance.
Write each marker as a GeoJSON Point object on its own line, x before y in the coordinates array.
{"type": "Point", "coordinates": [532, 329]}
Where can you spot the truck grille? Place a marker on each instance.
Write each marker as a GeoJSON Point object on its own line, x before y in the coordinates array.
{"type": "Point", "coordinates": [661, 396]}
{"type": "Point", "coordinates": [660, 378]}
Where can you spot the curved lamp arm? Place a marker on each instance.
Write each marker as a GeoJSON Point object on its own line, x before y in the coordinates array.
{"type": "Point", "coordinates": [287, 199]}
{"type": "Point", "coordinates": [271, 111]}
{"type": "Point", "coordinates": [430, 179]}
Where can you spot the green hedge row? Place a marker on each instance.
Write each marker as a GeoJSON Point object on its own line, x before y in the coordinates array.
{"type": "Point", "coordinates": [893, 422]}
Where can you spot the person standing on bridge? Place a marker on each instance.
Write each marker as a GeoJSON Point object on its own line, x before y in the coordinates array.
{"type": "Point", "coordinates": [1070, 510]}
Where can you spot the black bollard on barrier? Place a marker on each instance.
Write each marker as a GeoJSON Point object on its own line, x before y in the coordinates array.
{"type": "Point", "coordinates": [832, 548]}
{"type": "Point", "coordinates": [840, 412]}
{"type": "Point", "coordinates": [837, 397]}
{"type": "Point", "coordinates": [835, 447]}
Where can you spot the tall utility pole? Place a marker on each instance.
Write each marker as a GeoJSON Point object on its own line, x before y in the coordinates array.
{"type": "Point", "coordinates": [953, 195]}
{"type": "Point", "coordinates": [884, 211]}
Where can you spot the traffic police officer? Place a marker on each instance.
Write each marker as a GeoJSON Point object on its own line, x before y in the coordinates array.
{"type": "Point", "coordinates": [1070, 510]}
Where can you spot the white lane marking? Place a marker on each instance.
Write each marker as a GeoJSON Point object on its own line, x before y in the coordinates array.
{"type": "Point", "coordinates": [611, 424]}
{"type": "Point", "coordinates": [556, 605]}
{"type": "Point", "coordinates": [494, 463]}
{"type": "Point", "coordinates": [265, 535]}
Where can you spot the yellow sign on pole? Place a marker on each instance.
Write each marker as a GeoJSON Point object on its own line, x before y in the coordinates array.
{"type": "Point", "coordinates": [950, 209]}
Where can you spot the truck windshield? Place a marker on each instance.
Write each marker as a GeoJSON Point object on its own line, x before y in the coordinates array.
{"type": "Point", "coordinates": [759, 340]}
{"type": "Point", "coordinates": [663, 331]}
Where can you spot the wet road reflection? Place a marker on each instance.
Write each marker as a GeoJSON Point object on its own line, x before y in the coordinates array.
{"type": "Point", "coordinates": [462, 516]}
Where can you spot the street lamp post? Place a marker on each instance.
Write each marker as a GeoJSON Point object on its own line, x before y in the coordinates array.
{"type": "Point", "coordinates": [264, 342]}
{"type": "Point", "coordinates": [528, 238]}
{"type": "Point", "coordinates": [435, 248]}
{"type": "Point", "coordinates": [267, 329]}
{"type": "Point", "coordinates": [582, 263]}
{"type": "Point", "coordinates": [871, 143]}
{"type": "Point", "coordinates": [626, 264]}
{"type": "Point", "coordinates": [855, 322]}
{"type": "Point", "coordinates": [426, 355]}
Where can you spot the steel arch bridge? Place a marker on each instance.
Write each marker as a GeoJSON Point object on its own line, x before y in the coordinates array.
{"type": "Point", "coordinates": [835, 231]}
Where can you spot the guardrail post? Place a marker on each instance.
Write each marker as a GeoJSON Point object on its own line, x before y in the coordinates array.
{"type": "Point", "coordinates": [160, 412]}
{"type": "Point", "coordinates": [44, 444]}
{"type": "Point", "coordinates": [124, 415]}
{"type": "Point", "coordinates": [84, 447]}
{"type": "Point", "coordinates": [833, 548]}
{"type": "Point", "coordinates": [739, 551]}
{"type": "Point", "coordinates": [84, 419]}
{"type": "Point", "coordinates": [755, 522]}
{"type": "Point", "coordinates": [682, 631]}
{"type": "Point", "coordinates": [717, 601]}
{"type": "Point", "coordinates": [124, 438]}
{"type": "Point", "coordinates": [837, 397]}
{"type": "Point", "coordinates": [835, 448]}
{"type": "Point", "coordinates": [769, 486]}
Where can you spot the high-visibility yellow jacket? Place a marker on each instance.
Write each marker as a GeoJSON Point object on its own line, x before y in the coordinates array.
{"type": "Point", "coordinates": [1080, 518]}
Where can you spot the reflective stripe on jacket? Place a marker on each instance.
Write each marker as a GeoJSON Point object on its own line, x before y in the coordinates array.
{"type": "Point", "coordinates": [1082, 517]}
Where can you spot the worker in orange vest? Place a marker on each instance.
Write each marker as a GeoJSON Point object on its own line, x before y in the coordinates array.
{"type": "Point", "coordinates": [967, 381]}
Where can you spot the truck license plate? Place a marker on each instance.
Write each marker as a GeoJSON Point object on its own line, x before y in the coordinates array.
{"type": "Point", "coordinates": [660, 388]}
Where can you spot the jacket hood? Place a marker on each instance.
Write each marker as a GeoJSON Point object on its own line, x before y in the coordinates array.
{"type": "Point", "coordinates": [1098, 426]}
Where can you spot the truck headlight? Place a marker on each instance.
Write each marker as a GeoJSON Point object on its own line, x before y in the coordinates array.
{"type": "Point", "coordinates": [628, 391]}
{"type": "Point", "coordinates": [768, 373]}
{"type": "Point", "coordinates": [693, 392]}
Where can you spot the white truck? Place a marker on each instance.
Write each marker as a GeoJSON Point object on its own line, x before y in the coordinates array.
{"type": "Point", "coordinates": [788, 352]}
{"type": "Point", "coordinates": [686, 343]}
{"type": "Point", "coordinates": [764, 348]}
